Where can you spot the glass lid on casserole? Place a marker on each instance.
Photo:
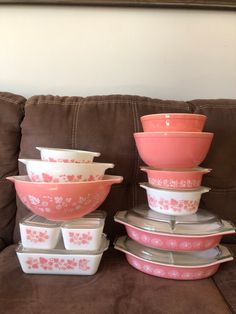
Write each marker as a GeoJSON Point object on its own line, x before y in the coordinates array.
{"type": "Point", "coordinates": [200, 223]}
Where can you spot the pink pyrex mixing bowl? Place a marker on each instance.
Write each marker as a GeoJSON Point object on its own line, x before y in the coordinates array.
{"type": "Point", "coordinates": [183, 122]}
{"type": "Point", "coordinates": [63, 201]}
{"type": "Point", "coordinates": [173, 149]}
{"type": "Point", "coordinates": [181, 179]}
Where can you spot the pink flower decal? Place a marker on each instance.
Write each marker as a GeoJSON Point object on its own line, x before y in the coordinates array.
{"type": "Point", "coordinates": [53, 263]}
{"type": "Point", "coordinates": [80, 238]}
{"type": "Point", "coordinates": [173, 204]}
{"type": "Point", "coordinates": [46, 177]}
{"type": "Point", "coordinates": [36, 236]}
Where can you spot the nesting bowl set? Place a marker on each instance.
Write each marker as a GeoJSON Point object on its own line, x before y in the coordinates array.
{"type": "Point", "coordinates": [63, 189]}
{"type": "Point", "coordinates": [171, 237]}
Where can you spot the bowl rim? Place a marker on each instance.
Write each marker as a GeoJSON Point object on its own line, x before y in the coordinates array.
{"type": "Point", "coordinates": [174, 115]}
{"type": "Point", "coordinates": [169, 134]}
{"type": "Point", "coordinates": [65, 150]}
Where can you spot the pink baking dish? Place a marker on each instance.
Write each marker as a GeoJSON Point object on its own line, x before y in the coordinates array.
{"type": "Point", "coordinates": [181, 179]}
{"type": "Point", "coordinates": [199, 231]}
{"type": "Point", "coordinates": [178, 122]}
{"type": "Point", "coordinates": [174, 202]}
{"type": "Point", "coordinates": [173, 149]}
{"type": "Point", "coordinates": [63, 201]}
{"type": "Point", "coordinates": [173, 265]}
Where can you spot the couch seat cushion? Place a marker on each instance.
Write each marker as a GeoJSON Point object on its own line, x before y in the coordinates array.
{"type": "Point", "coordinates": [116, 288]}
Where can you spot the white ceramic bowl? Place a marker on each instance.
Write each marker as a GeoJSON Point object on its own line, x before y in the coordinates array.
{"type": "Point", "coordinates": [66, 155]}
{"type": "Point", "coordinates": [60, 261]}
{"type": "Point", "coordinates": [173, 202]}
{"type": "Point", "coordinates": [46, 171]}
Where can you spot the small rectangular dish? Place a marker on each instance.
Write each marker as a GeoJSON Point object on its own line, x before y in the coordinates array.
{"type": "Point", "coordinates": [59, 261]}
{"type": "Point", "coordinates": [39, 233]}
{"type": "Point", "coordinates": [173, 265]}
{"type": "Point", "coordinates": [84, 233]}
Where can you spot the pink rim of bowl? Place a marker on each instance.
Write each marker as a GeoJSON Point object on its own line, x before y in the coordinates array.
{"type": "Point", "coordinates": [185, 179]}
{"type": "Point", "coordinates": [171, 272]}
{"type": "Point", "coordinates": [63, 201]}
{"type": "Point", "coordinates": [173, 149]}
{"type": "Point", "coordinates": [173, 122]}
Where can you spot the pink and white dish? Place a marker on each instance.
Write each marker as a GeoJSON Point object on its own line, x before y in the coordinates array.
{"type": "Point", "coordinates": [39, 233]}
{"type": "Point", "coordinates": [46, 171]}
{"type": "Point", "coordinates": [199, 231]}
{"type": "Point", "coordinates": [173, 149]}
{"type": "Point", "coordinates": [59, 261]}
{"type": "Point", "coordinates": [63, 201]}
{"type": "Point", "coordinates": [179, 179]}
{"type": "Point", "coordinates": [173, 202]}
{"type": "Point", "coordinates": [177, 122]}
{"type": "Point", "coordinates": [66, 155]}
{"type": "Point", "coordinates": [84, 233]}
{"type": "Point", "coordinates": [173, 265]}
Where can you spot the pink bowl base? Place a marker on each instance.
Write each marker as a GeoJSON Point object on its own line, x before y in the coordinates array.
{"type": "Point", "coordinates": [172, 272]}
{"type": "Point", "coordinates": [172, 243]}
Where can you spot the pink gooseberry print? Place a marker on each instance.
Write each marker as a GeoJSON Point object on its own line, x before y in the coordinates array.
{"type": "Point", "coordinates": [36, 236]}
{"type": "Point", "coordinates": [80, 238]}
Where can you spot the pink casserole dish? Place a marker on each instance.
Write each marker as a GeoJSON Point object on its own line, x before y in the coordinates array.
{"type": "Point", "coordinates": [63, 201]}
{"type": "Point", "coordinates": [200, 231]}
{"type": "Point", "coordinates": [180, 122]}
{"type": "Point", "coordinates": [181, 179]}
{"type": "Point", "coordinates": [173, 265]}
{"type": "Point", "coordinates": [173, 149]}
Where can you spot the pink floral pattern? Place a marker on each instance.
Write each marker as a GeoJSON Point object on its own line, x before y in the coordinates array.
{"type": "Point", "coordinates": [36, 236]}
{"type": "Point", "coordinates": [175, 184]}
{"type": "Point", "coordinates": [80, 238]}
{"type": "Point", "coordinates": [172, 272]}
{"type": "Point", "coordinates": [57, 263]}
{"type": "Point", "coordinates": [173, 204]}
{"type": "Point", "coordinates": [65, 160]}
{"type": "Point", "coordinates": [45, 177]}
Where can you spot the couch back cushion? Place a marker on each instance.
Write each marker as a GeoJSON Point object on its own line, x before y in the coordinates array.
{"type": "Point", "coordinates": [106, 124]}
{"type": "Point", "coordinates": [11, 115]}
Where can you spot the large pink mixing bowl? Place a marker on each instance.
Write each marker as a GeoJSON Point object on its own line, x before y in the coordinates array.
{"type": "Point", "coordinates": [178, 122]}
{"type": "Point", "coordinates": [63, 201]}
{"type": "Point", "coordinates": [173, 149]}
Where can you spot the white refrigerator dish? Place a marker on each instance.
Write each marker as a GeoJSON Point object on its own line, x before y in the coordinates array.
{"type": "Point", "coordinates": [84, 233]}
{"type": "Point", "coordinates": [59, 261]}
{"type": "Point", "coordinates": [39, 233]}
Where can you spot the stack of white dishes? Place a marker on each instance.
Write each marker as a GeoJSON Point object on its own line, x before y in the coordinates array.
{"type": "Point", "coordinates": [63, 189]}
{"type": "Point", "coordinates": [172, 237]}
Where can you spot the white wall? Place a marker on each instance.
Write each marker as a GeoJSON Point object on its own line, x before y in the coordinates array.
{"type": "Point", "coordinates": [178, 54]}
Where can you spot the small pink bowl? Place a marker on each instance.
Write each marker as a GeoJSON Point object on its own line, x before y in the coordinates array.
{"type": "Point", "coordinates": [184, 179]}
{"type": "Point", "coordinates": [178, 122]}
{"type": "Point", "coordinates": [173, 149]}
{"type": "Point", "coordinates": [63, 201]}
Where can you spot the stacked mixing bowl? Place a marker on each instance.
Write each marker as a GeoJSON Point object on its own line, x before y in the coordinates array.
{"type": "Point", "coordinates": [172, 237]}
{"type": "Point", "coordinates": [63, 189]}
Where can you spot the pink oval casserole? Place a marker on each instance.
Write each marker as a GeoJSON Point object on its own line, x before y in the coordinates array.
{"type": "Point", "coordinates": [180, 122]}
{"type": "Point", "coordinates": [173, 149]}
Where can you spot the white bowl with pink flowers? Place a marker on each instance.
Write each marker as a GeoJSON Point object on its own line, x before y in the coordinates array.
{"type": "Point", "coordinates": [66, 155]}
{"type": "Point", "coordinates": [174, 202]}
{"type": "Point", "coordinates": [46, 171]}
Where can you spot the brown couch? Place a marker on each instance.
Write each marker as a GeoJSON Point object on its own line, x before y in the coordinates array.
{"type": "Point", "coordinates": [106, 124]}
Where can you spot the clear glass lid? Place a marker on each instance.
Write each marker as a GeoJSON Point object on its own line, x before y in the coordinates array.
{"type": "Point", "coordinates": [196, 258]}
{"type": "Point", "coordinates": [200, 223]}
{"type": "Point", "coordinates": [94, 219]}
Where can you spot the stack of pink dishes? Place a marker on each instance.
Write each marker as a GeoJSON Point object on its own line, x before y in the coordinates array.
{"type": "Point", "coordinates": [172, 237]}
{"type": "Point", "coordinates": [63, 189]}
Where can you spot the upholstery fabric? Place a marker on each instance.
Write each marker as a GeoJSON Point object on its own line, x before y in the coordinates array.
{"type": "Point", "coordinates": [11, 115]}
{"type": "Point", "coordinates": [117, 288]}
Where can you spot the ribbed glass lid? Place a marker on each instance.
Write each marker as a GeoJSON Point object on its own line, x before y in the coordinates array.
{"type": "Point", "coordinates": [201, 223]}
{"type": "Point", "coordinates": [196, 258]}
